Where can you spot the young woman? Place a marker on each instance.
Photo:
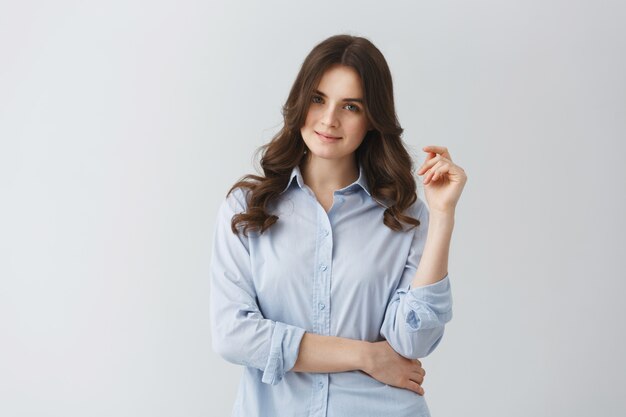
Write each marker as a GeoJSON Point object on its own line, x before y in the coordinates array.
{"type": "Point", "coordinates": [329, 275]}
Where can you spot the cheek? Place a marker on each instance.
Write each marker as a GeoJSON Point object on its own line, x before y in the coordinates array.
{"type": "Point", "coordinates": [309, 125]}
{"type": "Point", "coordinates": [311, 116]}
{"type": "Point", "coordinates": [358, 127]}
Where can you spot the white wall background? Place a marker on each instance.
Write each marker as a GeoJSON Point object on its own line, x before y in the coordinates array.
{"type": "Point", "coordinates": [123, 124]}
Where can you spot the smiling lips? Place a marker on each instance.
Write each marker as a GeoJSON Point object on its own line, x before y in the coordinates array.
{"type": "Point", "coordinates": [327, 137]}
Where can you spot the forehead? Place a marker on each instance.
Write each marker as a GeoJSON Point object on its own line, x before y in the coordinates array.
{"type": "Point", "coordinates": [341, 81]}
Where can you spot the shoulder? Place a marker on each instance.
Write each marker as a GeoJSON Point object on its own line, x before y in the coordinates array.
{"type": "Point", "coordinates": [236, 201]}
{"type": "Point", "coordinates": [418, 209]}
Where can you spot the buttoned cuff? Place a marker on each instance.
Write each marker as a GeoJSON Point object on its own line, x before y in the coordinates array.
{"type": "Point", "coordinates": [428, 306]}
{"type": "Point", "coordinates": [284, 348]}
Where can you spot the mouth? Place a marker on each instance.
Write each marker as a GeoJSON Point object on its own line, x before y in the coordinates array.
{"type": "Point", "coordinates": [327, 137]}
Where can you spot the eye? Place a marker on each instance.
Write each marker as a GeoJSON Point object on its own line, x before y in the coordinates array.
{"type": "Point", "coordinates": [316, 99]}
{"type": "Point", "coordinates": [353, 108]}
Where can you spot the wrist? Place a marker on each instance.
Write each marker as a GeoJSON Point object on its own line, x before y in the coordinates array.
{"type": "Point", "coordinates": [445, 214]}
{"type": "Point", "coordinates": [364, 356]}
{"type": "Point", "coordinates": [439, 220]}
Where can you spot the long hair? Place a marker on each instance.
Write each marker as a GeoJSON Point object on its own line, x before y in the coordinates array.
{"type": "Point", "coordinates": [387, 164]}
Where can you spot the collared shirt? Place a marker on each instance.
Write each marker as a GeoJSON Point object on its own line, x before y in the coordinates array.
{"type": "Point", "coordinates": [340, 273]}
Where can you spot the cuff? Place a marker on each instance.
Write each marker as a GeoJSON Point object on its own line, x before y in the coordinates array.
{"type": "Point", "coordinates": [428, 306]}
{"type": "Point", "coordinates": [284, 348]}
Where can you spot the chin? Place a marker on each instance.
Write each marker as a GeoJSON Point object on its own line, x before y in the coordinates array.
{"type": "Point", "coordinates": [325, 154]}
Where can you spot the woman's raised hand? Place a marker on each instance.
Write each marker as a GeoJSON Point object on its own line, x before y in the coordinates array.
{"type": "Point", "coordinates": [443, 179]}
{"type": "Point", "coordinates": [391, 368]}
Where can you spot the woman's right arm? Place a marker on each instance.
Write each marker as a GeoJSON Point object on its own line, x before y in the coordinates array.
{"type": "Point", "coordinates": [240, 333]}
{"type": "Point", "coordinates": [325, 354]}
{"type": "Point", "coordinates": [319, 353]}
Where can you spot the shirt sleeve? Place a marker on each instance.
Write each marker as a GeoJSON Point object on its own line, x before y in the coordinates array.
{"type": "Point", "coordinates": [240, 333]}
{"type": "Point", "coordinates": [415, 317]}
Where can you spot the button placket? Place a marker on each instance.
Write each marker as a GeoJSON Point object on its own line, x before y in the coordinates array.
{"type": "Point", "coordinates": [321, 300]}
{"type": "Point", "coordinates": [326, 248]}
{"type": "Point", "coordinates": [323, 262]}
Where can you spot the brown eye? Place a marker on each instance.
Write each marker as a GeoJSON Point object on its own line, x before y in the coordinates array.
{"type": "Point", "coordinates": [316, 98]}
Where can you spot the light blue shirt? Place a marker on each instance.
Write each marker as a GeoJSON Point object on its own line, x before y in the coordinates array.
{"type": "Point", "coordinates": [342, 273]}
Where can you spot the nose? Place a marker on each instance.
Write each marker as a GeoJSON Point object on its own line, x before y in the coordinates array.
{"type": "Point", "coordinates": [329, 118]}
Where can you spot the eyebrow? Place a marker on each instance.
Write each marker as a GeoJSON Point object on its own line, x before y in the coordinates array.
{"type": "Point", "coordinates": [358, 100]}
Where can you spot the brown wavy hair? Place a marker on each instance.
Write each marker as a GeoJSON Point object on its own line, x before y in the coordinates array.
{"type": "Point", "coordinates": [387, 165]}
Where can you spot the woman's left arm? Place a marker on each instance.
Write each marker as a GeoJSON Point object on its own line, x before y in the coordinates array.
{"type": "Point", "coordinates": [443, 184]}
{"type": "Point", "coordinates": [416, 315]}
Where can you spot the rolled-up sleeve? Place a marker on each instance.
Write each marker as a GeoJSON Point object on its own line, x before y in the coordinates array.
{"type": "Point", "coordinates": [240, 333]}
{"type": "Point", "coordinates": [415, 317]}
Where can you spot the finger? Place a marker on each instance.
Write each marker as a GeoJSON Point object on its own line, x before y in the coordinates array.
{"type": "Point", "coordinates": [437, 149]}
{"type": "Point", "coordinates": [429, 163]}
{"type": "Point", "coordinates": [428, 176]}
{"type": "Point", "coordinates": [439, 170]}
{"type": "Point", "coordinates": [452, 172]}
{"type": "Point", "coordinates": [436, 171]}
{"type": "Point", "coordinates": [419, 370]}
{"type": "Point", "coordinates": [417, 377]}
{"type": "Point", "coordinates": [415, 387]}
{"type": "Point", "coordinates": [441, 150]}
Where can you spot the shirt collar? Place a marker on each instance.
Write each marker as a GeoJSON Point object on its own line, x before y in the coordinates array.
{"type": "Point", "coordinates": [360, 182]}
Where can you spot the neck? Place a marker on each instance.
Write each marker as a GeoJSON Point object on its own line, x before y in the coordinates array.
{"type": "Point", "coordinates": [328, 174]}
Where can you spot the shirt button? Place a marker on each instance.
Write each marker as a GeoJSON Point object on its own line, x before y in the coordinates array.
{"type": "Point", "coordinates": [325, 232]}
{"type": "Point", "coordinates": [322, 306]}
{"type": "Point", "coordinates": [320, 384]}
{"type": "Point", "coordinates": [323, 267]}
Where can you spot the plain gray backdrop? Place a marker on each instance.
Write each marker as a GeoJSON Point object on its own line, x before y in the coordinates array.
{"type": "Point", "coordinates": [124, 123]}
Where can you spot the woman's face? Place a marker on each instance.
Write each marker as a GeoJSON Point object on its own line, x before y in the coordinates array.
{"type": "Point", "coordinates": [336, 123]}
